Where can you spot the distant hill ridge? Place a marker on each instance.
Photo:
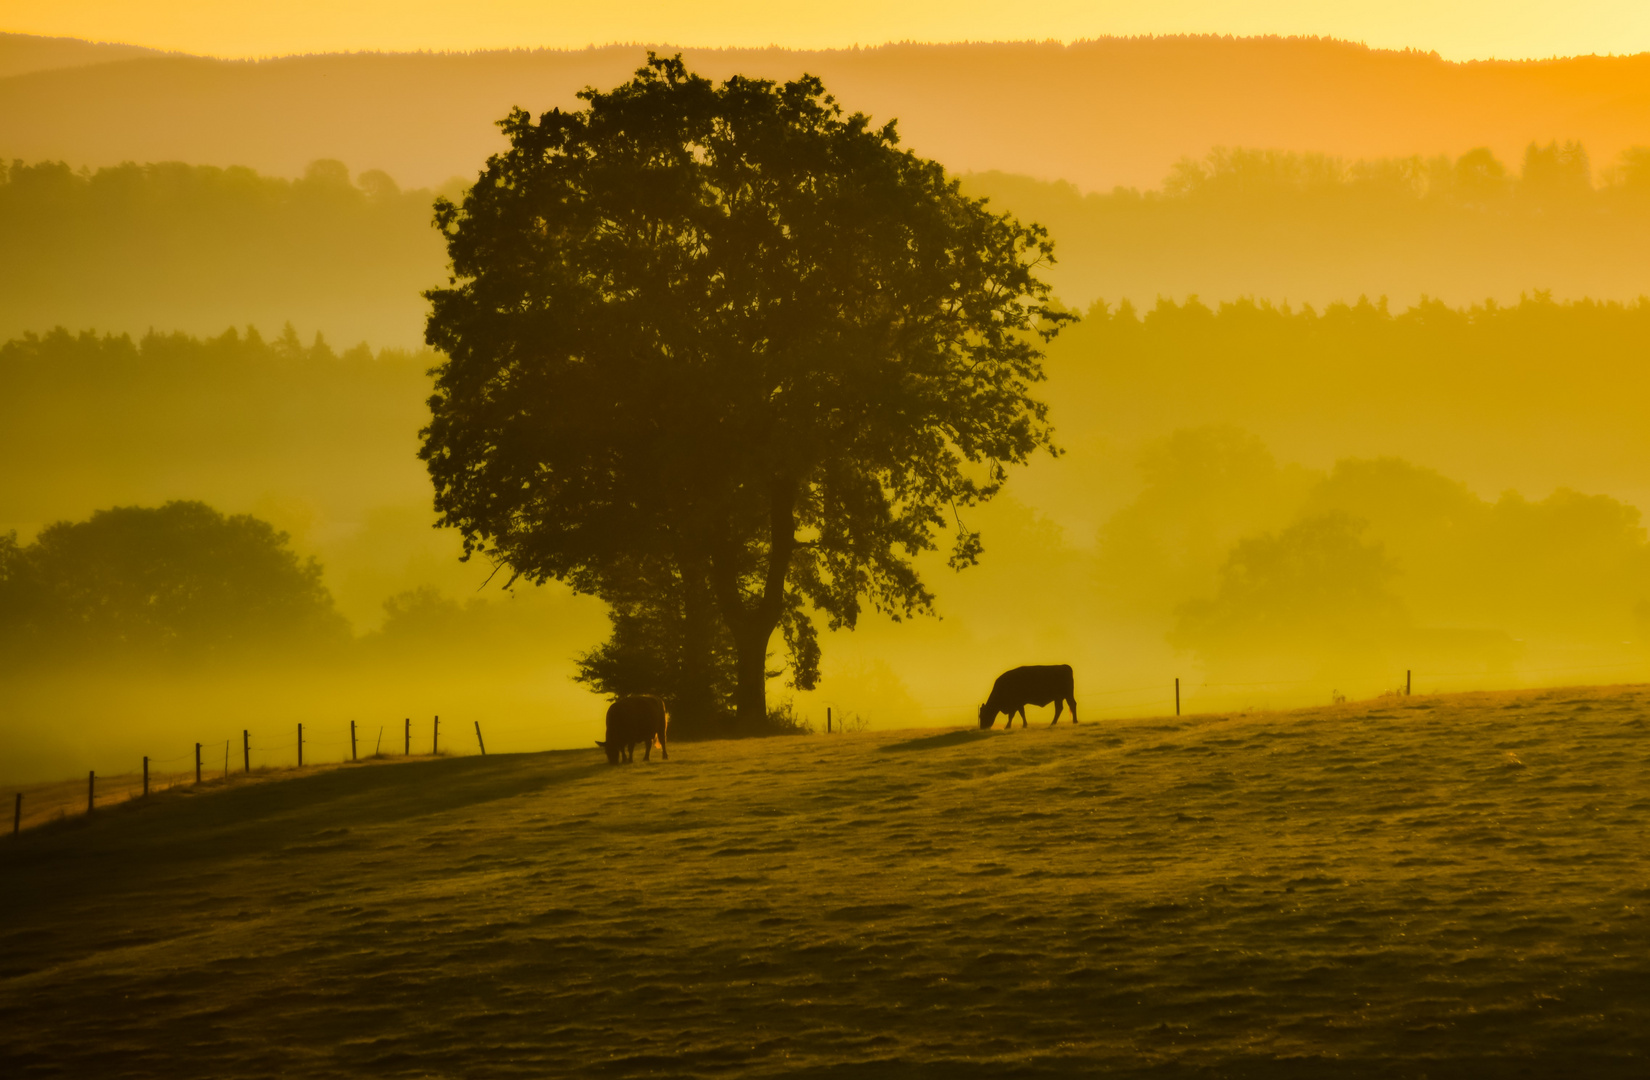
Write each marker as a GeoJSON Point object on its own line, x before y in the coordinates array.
{"type": "Point", "coordinates": [23, 53]}
{"type": "Point", "coordinates": [1113, 111]}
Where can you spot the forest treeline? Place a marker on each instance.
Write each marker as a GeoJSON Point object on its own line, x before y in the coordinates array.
{"type": "Point", "coordinates": [126, 417]}
{"type": "Point", "coordinates": [1533, 395]}
{"type": "Point", "coordinates": [199, 247]}
{"type": "Point", "coordinates": [1317, 228]}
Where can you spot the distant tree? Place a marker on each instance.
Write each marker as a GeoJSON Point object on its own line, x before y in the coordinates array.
{"type": "Point", "coordinates": [1555, 175]}
{"type": "Point", "coordinates": [180, 579]}
{"type": "Point", "coordinates": [1204, 488]}
{"type": "Point", "coordinates": [1479, 179]}
{"type": "Point", "coordinates": [1631, 172]}
{"type": "Point", "coordinates": [1316, 586]}
{"type": "Point", "coordinates": [728, 329]}
{"type": "Point", "coordinates": [424, 613]}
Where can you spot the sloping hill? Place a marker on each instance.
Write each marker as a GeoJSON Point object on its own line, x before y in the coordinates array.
{"type": "Point", "coordinates": [23, 53]}
{"type": "Point", "coordinates": [1097, 113]}
{"type": "Point", "coordinates": [1444, 886]}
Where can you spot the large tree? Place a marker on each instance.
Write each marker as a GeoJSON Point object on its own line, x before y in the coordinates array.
{"type": "Point", "coordinates": [733, 329]}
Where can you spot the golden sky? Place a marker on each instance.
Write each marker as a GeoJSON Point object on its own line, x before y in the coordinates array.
{"type": "Point", "coordinates": [1458, 29]}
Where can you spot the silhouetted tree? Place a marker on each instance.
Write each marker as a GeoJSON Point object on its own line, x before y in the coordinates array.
{"type": "Point", "coordinates": [1480, 180]}
{"type": "Point", "coordinates": [179, 579]}
{"type": "Point", "coordinates": [1555, 175]}
{"type": "Point", "coordinates": [668, 640]}
{"type": "Point", "coordinates": [731, 329]}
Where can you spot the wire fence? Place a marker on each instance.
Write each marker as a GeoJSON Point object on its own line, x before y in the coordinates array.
{"type": "Point", "coordinates": [224, 763]}
{"type": "Point", "coordinates": [309, 748]}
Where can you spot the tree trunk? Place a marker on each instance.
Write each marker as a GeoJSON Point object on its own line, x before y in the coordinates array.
{"type": "Point", "coordinates": [751, 698]}
{"type": "Point", "coordinates": [701, 682]}
{"type": "Point", "coordinates": [753, 621]}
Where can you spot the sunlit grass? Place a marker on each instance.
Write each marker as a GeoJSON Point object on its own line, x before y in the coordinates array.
{"type": "Point", "coordinates": [1448, 885]}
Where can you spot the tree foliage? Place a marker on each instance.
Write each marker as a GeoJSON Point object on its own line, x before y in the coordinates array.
{"type": "Point", "coordinates": [667, 639]}
{"type": "Point", "coordinates": [1316, 583]}
{"type": "Point", "coordinates": [180, 580]}
{"type": "Point", "coordinates": [730, 330]}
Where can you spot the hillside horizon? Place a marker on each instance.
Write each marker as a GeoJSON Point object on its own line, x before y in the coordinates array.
{"type": "Point", "coordinates": [1102, 113]}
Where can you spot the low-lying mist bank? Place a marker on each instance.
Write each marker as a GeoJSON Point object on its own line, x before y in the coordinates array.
{"type": "Point", "coordinates": [1272, 505]}
{"type": "Point", "coordinates": [66, 720]}
{"type": "Point", "coordinates": [1530, 396]}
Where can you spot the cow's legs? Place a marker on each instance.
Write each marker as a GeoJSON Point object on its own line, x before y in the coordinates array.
{"type": "Point", "coordinates": [1058, 705]}
{"type": "Point", "coordinates": [1073, 701]}
{"type": "Point", "coordinates": [1022, 717]}
{"type": "Point", "coordinates": [664, 752]}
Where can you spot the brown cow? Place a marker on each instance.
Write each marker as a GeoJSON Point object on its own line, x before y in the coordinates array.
{"type": "Point", "coordinates": [1035, 684]}
{"type": "Point", "coordinates": [639, 718]}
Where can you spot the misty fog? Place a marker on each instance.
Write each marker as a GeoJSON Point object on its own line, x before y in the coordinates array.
{"type": "Point", "coordinates": [1271, 504]}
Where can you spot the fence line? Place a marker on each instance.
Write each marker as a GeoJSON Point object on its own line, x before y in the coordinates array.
{"type": "Point", "coordinates": [102, 791]}
{"type": "Point", "coordinates": [38, 804]}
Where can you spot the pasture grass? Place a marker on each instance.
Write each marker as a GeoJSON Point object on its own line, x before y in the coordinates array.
{"type": "Point", "coordinates": [1428, 886]}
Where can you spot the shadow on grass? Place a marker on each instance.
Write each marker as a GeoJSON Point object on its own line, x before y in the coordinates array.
{"type": "Point", "coordinates": [1493, 1065]}
{"type": "Point", "coordinates": [184, 825]}
{"type": "Point", "coordinates": [937, 742]}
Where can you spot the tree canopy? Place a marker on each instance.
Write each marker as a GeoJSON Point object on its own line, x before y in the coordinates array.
{"type": "Point", "coordinates": [181, 579]}
{"type": "Point", "coordinates": [731, 329]}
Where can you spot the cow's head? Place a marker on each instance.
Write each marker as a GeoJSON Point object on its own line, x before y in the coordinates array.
{"type": "Point", "coordinates": [988, 716]}
{"type": "Point", "coordinates": [612, 749]}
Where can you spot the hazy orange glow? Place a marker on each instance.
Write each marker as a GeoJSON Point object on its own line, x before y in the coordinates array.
{"type": "Point", "coordinates": [1471, 29]}
{"type": "Point", "coordinates": [1246, 395]}
{"type": "Point", "coordinates": [1209, 445]}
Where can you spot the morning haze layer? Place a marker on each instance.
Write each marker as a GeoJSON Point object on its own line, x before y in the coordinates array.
{"type": "Point", "coordinates": [1210, 443]}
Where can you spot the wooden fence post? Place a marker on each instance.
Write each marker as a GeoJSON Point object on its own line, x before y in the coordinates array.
{"type": "Point", "coordinates": [379, 749]}
{"type": "Point", "coordinates": [408, 751]}
{"type": "Point", "coordinates": [146, 776]}
{"type": "Point", "coordinates": [1407, 674]}
{"type": "Point", "coordinates": [17, 815]}
{"type": "Point", "coordinates": [827, 721]}
{"type": "Point", "coordinates": [1177, 696]}
{"type": "Point", "coordinates": [352, 756]}
{"type": "Point", "coordinates": [246, 748]}
{"type": "Point", "coordinates": [226, 759]}
{"type": "Point", "coordinates": [91, 790]}
{"type": "Point", "coordinates": [300, 746]}
{"type": "Point", "coordinates": [435, 736]}
{"type": "Point", "coordinates": [478, 739]}
{"type": "Point", "coordinates": [197, 763]}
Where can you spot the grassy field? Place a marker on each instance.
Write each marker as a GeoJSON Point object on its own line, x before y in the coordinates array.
{"type": "Point", "coordinates": [1441, 886]}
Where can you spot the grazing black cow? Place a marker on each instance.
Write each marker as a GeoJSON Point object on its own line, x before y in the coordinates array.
{"type": "Point", "coordinates": [639, 718]}
{"type": "Point", "coordinates": [1035, 684]}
